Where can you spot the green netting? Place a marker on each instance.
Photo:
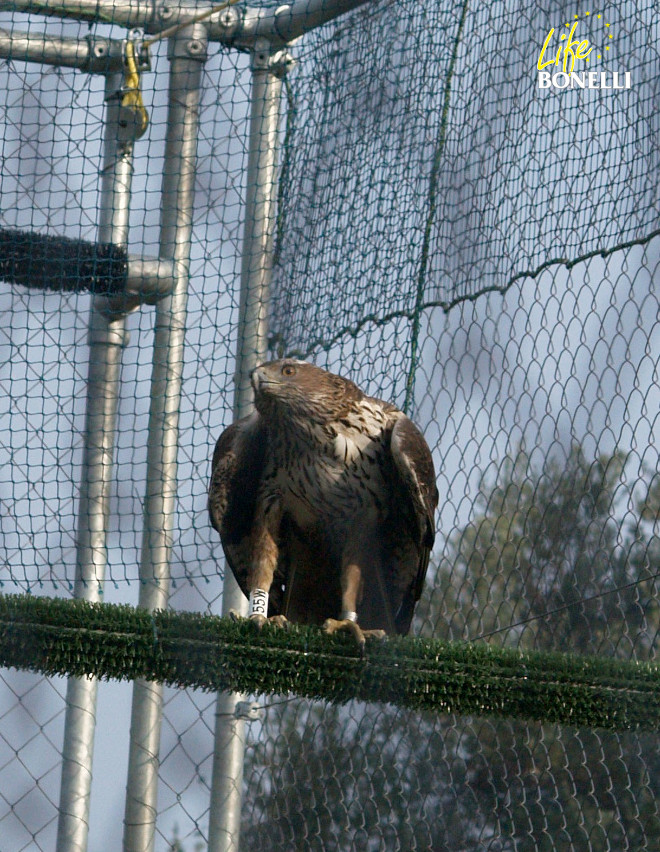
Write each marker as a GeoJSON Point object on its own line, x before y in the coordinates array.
{"type": "Point", "coordinates": [419, 139]}
{"type": "Point", "coordinates": [437, 211]}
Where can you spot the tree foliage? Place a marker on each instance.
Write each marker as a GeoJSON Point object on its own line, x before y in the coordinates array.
{"type": "Point", "coordinates": [562, 559]}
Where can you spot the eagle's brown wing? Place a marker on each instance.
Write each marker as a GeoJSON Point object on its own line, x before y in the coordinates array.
{"type": "Point", "coordinates": [236, 471]}
{"type": "Point", "coordinates": [414, 465]}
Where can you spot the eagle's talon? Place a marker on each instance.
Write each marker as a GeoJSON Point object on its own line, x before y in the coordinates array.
{"type": "Point", "coordinates": [258, 620]}
{"type": "Point", "coordinates": [334, 625]}
{"type": "Point", "coordinates": [280, 621]}
{"type": "Point", "coordinates": [375, 634]}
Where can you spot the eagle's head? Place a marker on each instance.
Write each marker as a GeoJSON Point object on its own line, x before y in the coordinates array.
{"type": "Point", "coordinates": [296, 390]}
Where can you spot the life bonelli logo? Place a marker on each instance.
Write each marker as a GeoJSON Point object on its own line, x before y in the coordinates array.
{"type": "Point", "coordinates": [570, 60]}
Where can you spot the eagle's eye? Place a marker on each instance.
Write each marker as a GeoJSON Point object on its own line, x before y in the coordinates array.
{"type": "Point", "coordinates": [288, 370]}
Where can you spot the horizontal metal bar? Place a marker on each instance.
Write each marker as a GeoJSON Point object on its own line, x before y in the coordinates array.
{"type": "Point", "coordinates": [127, 13]}
{"type": "Point", "coordinates": [241, 26]}
{"type": "Point", "coordinates": [93, 55]}
{"type": "Point", "coordinates": [282, 24]}
{"type": "Point", "coordinates": [237, 25]}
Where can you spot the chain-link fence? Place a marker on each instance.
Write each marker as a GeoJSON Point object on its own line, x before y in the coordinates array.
{"type": "Point", "coordinates": [455, 239]}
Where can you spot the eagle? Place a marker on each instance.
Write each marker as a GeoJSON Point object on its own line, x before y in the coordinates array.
{"type": "Point", "coordinates": [324, 499]}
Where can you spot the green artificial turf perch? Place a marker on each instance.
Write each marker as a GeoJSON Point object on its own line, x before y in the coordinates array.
{"type": "Point", "coordinates": [57, 636]}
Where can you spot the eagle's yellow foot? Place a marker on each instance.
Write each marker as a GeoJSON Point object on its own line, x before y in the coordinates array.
{"type": "Point", "coordinates": [333, 625]}
{"type": "Point", "coordinates": [259, 620]}
{"type": "Point", "coordinates": [279, 621]}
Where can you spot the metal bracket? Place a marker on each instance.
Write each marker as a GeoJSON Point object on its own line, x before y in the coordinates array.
{"type": "Point", "coordinates": [264, 58]}
{"type": "Point", "coordinates": [227, 20]}
{"type": "Point", "coordinates": [191, 41]}
{"type": "Point", "coordinates": [178, 20]}
{"type": "Point", "coordinates": [148, 281]}
{"type": "Point", "coordinates": [250, 711]}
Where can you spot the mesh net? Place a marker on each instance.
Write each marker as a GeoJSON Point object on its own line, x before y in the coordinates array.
{"type": "Point", "coordinates": [419, 140]}
{"type": "Point", "coordinates": [428, 192]}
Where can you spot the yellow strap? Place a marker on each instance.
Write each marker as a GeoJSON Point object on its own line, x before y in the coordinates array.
{"type": "Point", "coordinates": [132, 96]}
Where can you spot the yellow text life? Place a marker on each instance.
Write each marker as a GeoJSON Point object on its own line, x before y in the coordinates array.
{"type": "Point", "coordinates": [572, 49]}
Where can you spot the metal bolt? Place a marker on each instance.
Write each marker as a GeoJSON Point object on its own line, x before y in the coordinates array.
{"type": "Point", "coordinates": [228, 17]}
{"type": "Point", "coordinates": [282, 62]}
{"type": "Point", "coordinates": [194, 47]}
{"type": "Point", "coordinates": [249, 710]}
{"type": "Point", "coordinates": [166, 12]}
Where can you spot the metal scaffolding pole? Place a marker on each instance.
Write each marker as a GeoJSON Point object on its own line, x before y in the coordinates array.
{"type": "Point", "coordinates": [187, 53]}
{"type": "Point", "coordinates": [107, 337]}
{"type": "Point", "coordinates": [94, 55]}
{"type": "Point", "coordinates": [260, 210]}
{"type": "Point", "coordinates": [238, 26]}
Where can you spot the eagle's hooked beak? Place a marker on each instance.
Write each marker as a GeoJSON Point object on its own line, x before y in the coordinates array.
{"type": "Point", "coordinates": [260, 377]}
{"type": "Point", "coordinates": [255, 378]}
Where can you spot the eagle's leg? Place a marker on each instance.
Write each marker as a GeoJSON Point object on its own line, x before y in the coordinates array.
{"type": "Point", "coordinates": [265, 553]}
{"type": "Point", "coordinates": [351, 581]}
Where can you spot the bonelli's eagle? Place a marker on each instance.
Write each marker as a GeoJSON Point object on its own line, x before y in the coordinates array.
{"type": "Point", "coordinates": [324, 500]}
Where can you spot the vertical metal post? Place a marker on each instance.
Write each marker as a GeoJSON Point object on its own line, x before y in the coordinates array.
{"type": "Point", "coordinates": [259, 226]}
{"type": "Point", "coordinates": [187, 53]}
{"type": "Point", "coordinates": [106, 338]}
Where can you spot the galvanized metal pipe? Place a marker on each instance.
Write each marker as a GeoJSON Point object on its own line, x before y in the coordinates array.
{"type": "Point", "coordinates": [187, 53]}
{"type": "Point", "coordinates": [260, 212]}
{"type": "Point", "coordinates": [242, 26]}
{"type": "Point", "coordinates": [94, 55]}
{"type": "Point", "coordinates": [280, 24]}
{"type": "Point", "coordinates": [128, 13]}
{"type": "Point", "coordinates": [107, 339]}
{"type": "Point", "coordinates": [259, 227]}
{"type": "Point", "coordinates": [148, 281]}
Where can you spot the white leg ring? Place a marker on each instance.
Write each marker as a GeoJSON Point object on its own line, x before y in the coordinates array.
{"type": "Point", "coordinates": [258, 603]}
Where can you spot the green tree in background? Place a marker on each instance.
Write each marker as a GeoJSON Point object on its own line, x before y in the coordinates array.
{"type": "Point", "coordinates": [561, 559]}
{"type": "Point", "coordinates": [557, 558]}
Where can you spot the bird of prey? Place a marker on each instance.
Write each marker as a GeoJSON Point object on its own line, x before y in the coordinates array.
{"type": "Point", "coordinates": [324, 499]}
